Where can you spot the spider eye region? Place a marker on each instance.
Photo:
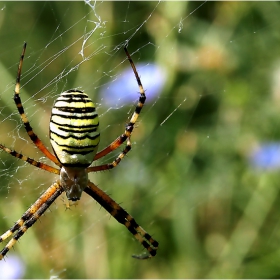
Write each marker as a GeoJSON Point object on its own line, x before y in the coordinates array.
{"type": "Point", "coordinates": [73, 181]}
{"type": "Point", "coordinates": [74, 133]}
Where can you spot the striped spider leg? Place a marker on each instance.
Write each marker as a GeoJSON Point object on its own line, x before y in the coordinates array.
{"type": "Point", "coordinates": [74, 137]}
{"type": "Point", "coordinates": [35, 139]}
{"type": "Point", "coordinates": [128, 130]}
{"type": "Point", "coordinates": [124, 218]}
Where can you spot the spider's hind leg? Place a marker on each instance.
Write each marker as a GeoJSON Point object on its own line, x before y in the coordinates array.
{"type": "Point", "coordinates": [35, 139]}
{"type": "Point", "coordinates": [130, 125]}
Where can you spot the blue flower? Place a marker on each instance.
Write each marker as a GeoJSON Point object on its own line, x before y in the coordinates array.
{"type": "Point", "coordinates": [124, 89]}
{"type": "Point", "coordinates": [267, 156]}
{"type": "Point", "coordinates": [12, 268]}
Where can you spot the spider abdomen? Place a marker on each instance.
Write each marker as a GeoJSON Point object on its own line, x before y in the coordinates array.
{"type": "Point", "coordinates": [74, 131]}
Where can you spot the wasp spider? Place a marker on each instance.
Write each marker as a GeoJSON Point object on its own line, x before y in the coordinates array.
{"type": "Point", "coordinates": [75, 137]}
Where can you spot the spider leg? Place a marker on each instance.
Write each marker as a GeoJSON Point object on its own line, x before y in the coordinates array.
{"type": "Point", "coordinates": [35, 139]}
{"type": "Point", "coordinates": [30, 216]}
{"type": "Point", "coordinates": [30, 160]}
{"type": "Point", "coordinates": [130, 125]}
{"type": "Point", "coordinates": [124, 218]}
{"type": "Point", "coordinates": [114, 163]}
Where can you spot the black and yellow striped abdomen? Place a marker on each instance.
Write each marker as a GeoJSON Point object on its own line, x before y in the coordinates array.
{"type": "Point", "coordinates": [74, 129]}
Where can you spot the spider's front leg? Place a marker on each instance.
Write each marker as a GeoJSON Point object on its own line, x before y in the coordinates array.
{"type": "Point", "coordinates": [30, 216]}
{"type": "Point", "coordinates": [124, 218]}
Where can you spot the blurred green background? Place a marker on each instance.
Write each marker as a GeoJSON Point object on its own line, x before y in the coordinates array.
{"type": "Point", "coordinates": [189, 180]}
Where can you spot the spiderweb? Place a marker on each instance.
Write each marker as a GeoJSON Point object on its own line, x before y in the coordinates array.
{"type": "Point", "coordinates": [199, 177]}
